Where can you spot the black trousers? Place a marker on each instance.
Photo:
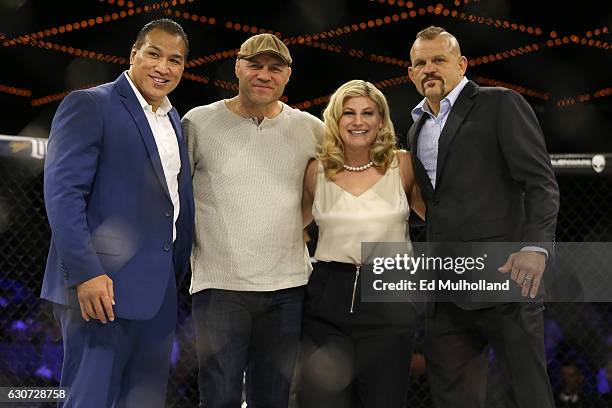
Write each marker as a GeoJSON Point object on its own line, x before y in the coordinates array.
{"type": "Point", "coordinates": [456, 341]}
{"type": "Point", "coordinates": [358, 359]}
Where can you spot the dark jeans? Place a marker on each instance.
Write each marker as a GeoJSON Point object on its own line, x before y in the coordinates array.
{"type": "Point", "coordinates": [254, 331]}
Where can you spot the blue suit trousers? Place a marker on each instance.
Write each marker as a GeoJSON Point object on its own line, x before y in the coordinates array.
{"type": "Point", "coordinates": [124, 363]}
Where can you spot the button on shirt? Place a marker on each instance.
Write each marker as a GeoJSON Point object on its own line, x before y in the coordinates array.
{"type": "Point", "coordinates": [427, 150]}
{"type": "Point", "coordinates": [167, 146]}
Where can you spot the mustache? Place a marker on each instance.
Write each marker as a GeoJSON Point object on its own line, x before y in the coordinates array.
{"type": "Point", "coordinates": [429, 77]}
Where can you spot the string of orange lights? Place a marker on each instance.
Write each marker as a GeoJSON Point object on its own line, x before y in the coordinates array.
{"type": "Point", "coordinates": [187, 75]}
{"type": "Point", "coordinates": [587, 39]}
{"type": "Point", "coordinates": [113, 59]}
{"type": "Point", "coordinates": [210, 58]}
{"type": "Point", "coordinates": [346, 29]}
{"type": "Point", "coordinates": [120, 3]}
{"type": "Point", "coordinates": [399, 3]}
{"type": "Point", "coordinates": [196, 78]}
{"type": "Point", "coordinates": [500, 55]}
{"type": "Point", "coordinates": [189, 16]}
{"type": "Point", "coordinates": [598, 31]}
{"type": "Point", "coordinates": [473, 18]}
{"type": "Point", "coordinates": [57, 96]}
{"type": "Point", "coordinates": [353, 52]}
{"type": "Point", "coordinates": [554, 41]}
{"type": "Point", "coordinates": [85, 23]}
{"type": "Point", "coordinates": [404, 79]}
{"type": "Point", "coordinates": [582, 98]}
{"type": "Point", "coordinates": [381, 59]}
{"type": "Point", "coordinates": [439, 9]}
{"type": "Point", "coordinates": [15, 91]}
{"type": "Point", "coordinates": [230, 25]}
{"type": "Point", "coordinates": [385, 83]}
{"type": "Point", "coordinates": [220, 55]}
{"type": "Point", "coordinates": [289, 41]}
{"type": "Point", "coordinates": [310, 40]}
{"type": "Point", "coordinates": [225, 85]}
{"type": "Point", "coordinates": [518, 88]}
{"type": "Point", "coordinates": [130, 4]}
{"type": "Point", "coordinates": [410, 4]}
{"type": "Point", "coordinates": [227, 24]}
{"type": "Point", "coordinates": [465, 2]}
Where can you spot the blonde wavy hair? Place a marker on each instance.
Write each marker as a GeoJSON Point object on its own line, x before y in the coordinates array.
{"type": "Point", "coordinates": [382, 150]}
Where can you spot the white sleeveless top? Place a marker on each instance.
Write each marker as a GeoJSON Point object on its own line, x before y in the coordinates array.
{"type": "Point", "coordinates": [345, 220]}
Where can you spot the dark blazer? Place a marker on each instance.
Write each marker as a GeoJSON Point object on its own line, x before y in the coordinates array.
{"type": "Point", "coordinates": [108, 204]}
{"type": "Point", "coordinates": [494, 179]}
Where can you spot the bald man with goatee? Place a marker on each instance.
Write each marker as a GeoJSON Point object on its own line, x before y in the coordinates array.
{"type": "Point", "coordinates": [485, 175]}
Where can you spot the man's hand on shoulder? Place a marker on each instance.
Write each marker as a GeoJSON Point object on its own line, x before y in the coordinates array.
{"type": "Point", "coordinates": [527, 268]}
{"type": "Point", "coordinates": [96, 298]}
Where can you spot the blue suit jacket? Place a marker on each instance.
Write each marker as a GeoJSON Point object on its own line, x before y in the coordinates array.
{"type": "Point", "coordinates": [108, 204]}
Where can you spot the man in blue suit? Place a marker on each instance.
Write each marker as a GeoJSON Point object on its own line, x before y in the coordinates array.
{"type": "Point", "coordinates": [120, 204]}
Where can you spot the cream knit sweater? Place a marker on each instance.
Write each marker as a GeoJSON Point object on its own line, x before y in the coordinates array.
{"type": "Point", "coordinates": [247, 184]}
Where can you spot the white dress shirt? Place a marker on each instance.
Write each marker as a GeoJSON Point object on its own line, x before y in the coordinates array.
{"type": "Point", "coordinates": [167, 146]}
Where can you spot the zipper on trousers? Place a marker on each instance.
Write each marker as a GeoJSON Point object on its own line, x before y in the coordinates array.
{"type": "Point", "coordinates": [357, 268]}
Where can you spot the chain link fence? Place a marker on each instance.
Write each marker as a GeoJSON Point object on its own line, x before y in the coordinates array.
{"type": "Point", "coordinates": [578, 335]}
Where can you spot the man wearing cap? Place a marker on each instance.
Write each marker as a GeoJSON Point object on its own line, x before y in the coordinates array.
{"type": "Point", "coordinates": [249, 263]}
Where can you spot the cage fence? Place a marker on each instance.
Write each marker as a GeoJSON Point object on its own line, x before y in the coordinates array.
{"type": "Point", "coordinates": [577, 335]}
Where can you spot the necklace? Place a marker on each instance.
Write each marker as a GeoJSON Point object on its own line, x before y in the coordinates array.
{"type": "Point", "coordinates": [240, 111]}
{"type": "Point", "coordinates": [358, 168]}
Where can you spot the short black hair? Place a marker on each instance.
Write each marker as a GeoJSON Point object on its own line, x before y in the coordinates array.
{"type": "Point", "coordinates": [166, 25]}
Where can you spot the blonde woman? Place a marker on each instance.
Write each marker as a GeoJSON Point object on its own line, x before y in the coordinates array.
{"type": "Point", "coordinates": [358, 190]}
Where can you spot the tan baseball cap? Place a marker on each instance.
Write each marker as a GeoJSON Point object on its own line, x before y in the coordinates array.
{"type": "Point", "coordinates": [264, 44]}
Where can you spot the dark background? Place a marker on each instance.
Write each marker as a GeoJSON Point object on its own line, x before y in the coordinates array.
{"type": "Point", "coordinates": [548, 77]}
